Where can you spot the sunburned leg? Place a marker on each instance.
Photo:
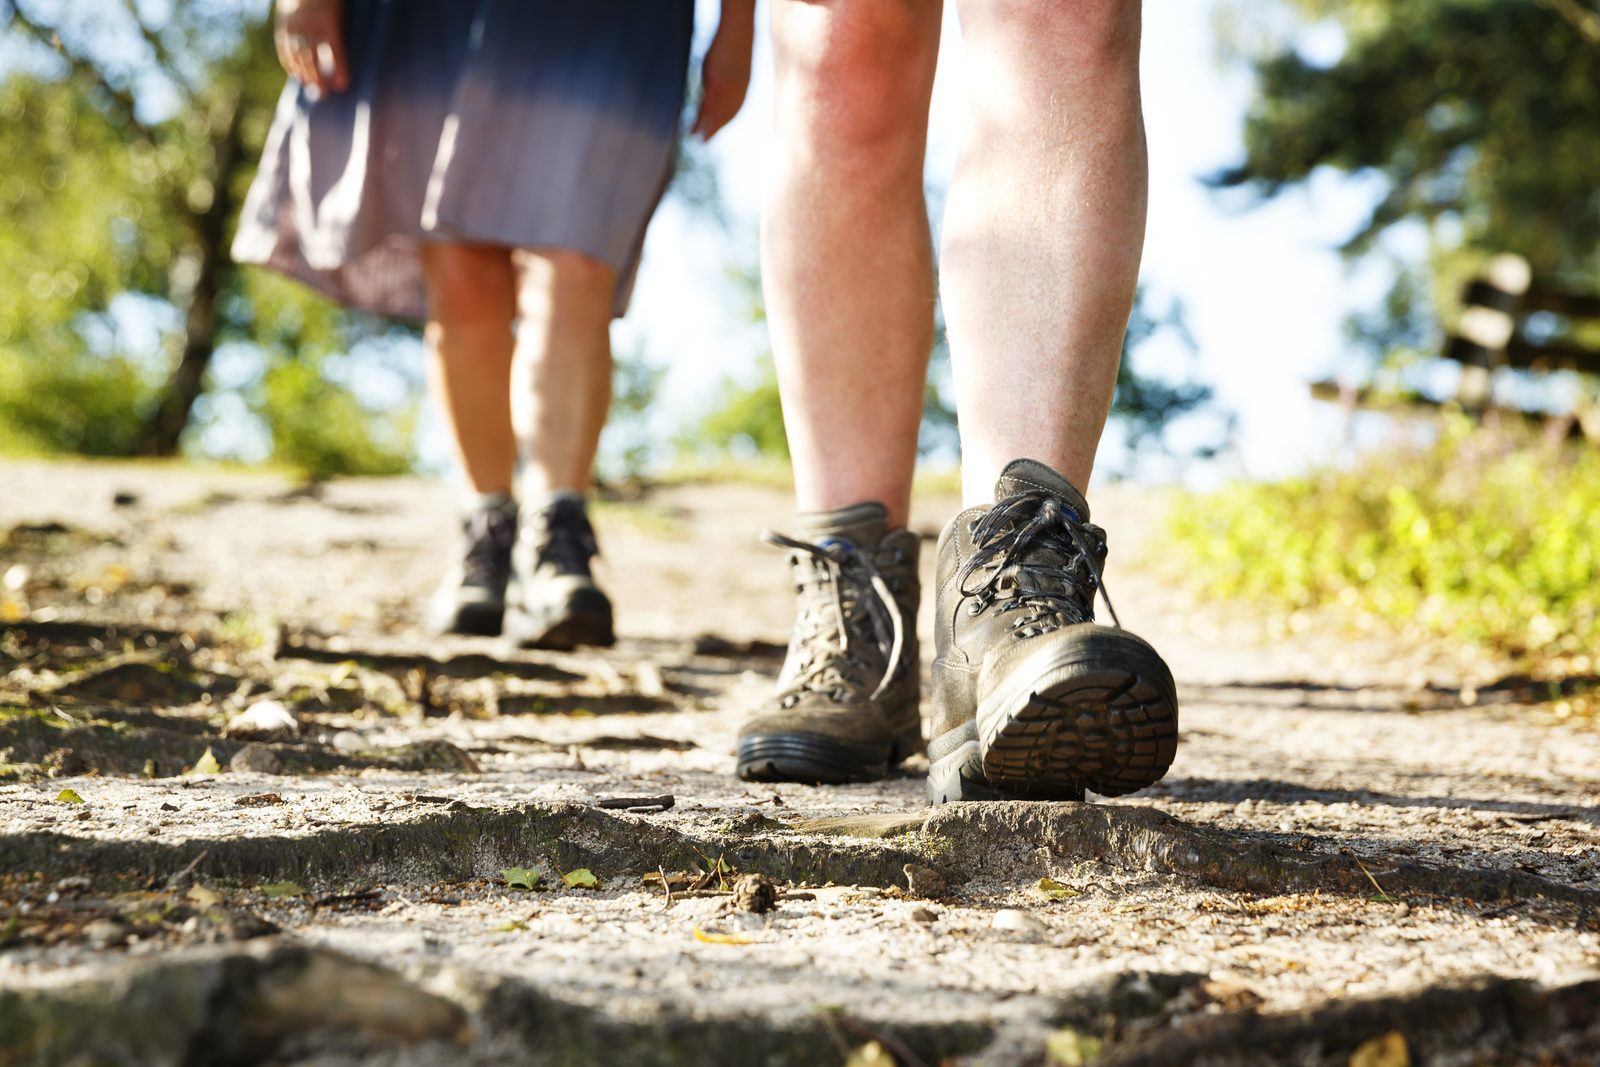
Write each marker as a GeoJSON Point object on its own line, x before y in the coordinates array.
{"type": "Point", "coordinates": [472, 301]}
{"type": "Point", "coordinates": [1043, 230]}
{"type": "Point", "coordinates": [562, 379]}
{"type": "Point", "coordinates": [846, 254]}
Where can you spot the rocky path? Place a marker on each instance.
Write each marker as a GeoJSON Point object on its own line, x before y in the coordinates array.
{"type": "Point", "coordinates": [418, 852]}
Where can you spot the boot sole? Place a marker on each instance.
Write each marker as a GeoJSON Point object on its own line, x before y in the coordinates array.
{"type": "Point", "coordinates": [1101, 713]}
{"type": "Point", "coordinates": [586, 620]}
{"type": "Point", "coordinates": [949, 783]}
{"type": "Point", "coordinates": [816, 760]}
{"type": "Point", "coordinates": [472, 620]}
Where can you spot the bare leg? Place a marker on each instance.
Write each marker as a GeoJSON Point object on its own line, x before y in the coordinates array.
{"type": "Point", "coordinates": [1043, 230]}
{"type": "Point", "coordinates": [471, 301]}
{"type": "Point", "coordinates": [562, 379]}
{"type": "Point", "coordinates": [846, 255]}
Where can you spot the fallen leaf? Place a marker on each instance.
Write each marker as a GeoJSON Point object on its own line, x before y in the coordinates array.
{"type": "Point", "coordinates": [277, 890]}
{"type": "Point", "coordinates": [203, 898]}
{"type": "Point", "coordinates": [1054, 890]}
{"type": "Point", "coordinates": [1385, 1050]}
{"type": "Point", "coordinates": [1068, 1048]}
{"type": "Point", "coordinates": [716, 938]}
{"type": "Point", "coordinates": [522, 878]}
{"type": "Point", "coordinates": [69, 796]}
{"type": "Point", "coordinates": [206, 765]}
{"type": "Point", "coordinates": [582, 878]}
{"type": "Point", "coordinates": [871, 1054]}
{"type": "Point", "coordinates": [510, 927]}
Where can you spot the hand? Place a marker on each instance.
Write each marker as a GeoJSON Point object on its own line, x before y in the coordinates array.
{"type": "Point", "coordinates": [724, 76]}
{"type": "Point", "coordinates": [310, 39]}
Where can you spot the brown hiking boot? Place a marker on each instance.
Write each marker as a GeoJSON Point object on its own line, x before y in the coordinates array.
{"type": "Point", "coordinates": [472, 598]}
{"type": "Point", "coordinates": [1031, 699]}
{"type": "Point", "coordinates": [554, 602]}
{"type": "Point", "coordinates": [845, 709]}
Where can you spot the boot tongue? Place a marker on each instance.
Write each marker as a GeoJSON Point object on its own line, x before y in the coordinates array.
{"type": "Point", "coordinates": [1024, 475]}
{"type": "Point", "coordinates": [862, 525]}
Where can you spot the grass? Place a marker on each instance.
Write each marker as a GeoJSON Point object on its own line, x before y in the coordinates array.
{"type": "Point", "coordinates": [1482, 537]}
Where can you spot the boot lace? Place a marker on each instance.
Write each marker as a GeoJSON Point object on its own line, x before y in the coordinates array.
{"type": "Point", "coordinates": [1035, 556]}
{"type": "Point", "coordinates": [564, 538]}
{"type": "Point", "coordinates": [848, 623]}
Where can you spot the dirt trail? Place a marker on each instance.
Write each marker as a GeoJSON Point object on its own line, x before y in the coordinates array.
{"type": "Point", "coordinates": [1352, 861]}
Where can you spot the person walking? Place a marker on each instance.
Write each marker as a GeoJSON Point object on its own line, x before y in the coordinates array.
{"type": "Point", "coordinates": [1042, 237]}
{"type": "Point", "coordinates": [491, 167]}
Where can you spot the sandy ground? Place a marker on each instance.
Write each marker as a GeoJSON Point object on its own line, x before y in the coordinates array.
{"type": "Point", "coordinates": [1362, 849]}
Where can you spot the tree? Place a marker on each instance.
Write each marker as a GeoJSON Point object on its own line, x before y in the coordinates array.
{"type": "Point", "coordinates": [130, 144]}
{"type": "Point", "coordinates": [1481, 117]}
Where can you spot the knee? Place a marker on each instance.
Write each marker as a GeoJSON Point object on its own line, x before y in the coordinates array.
{"type": "Point", "coordinates": [1082, 35]}
{"type": "Point", "coordinates": [576, 280]}
{"type": "Point", "coordinates": [854, 79]}
{"type": "Point", "coordinates": [467, 283]}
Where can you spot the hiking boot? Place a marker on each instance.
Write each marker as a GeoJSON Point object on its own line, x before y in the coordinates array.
{"type": "Point", "coordinates": [1032, 699]}
{"type": "Point", "coordinates": [845, 709]}
{"type": "Point", "coordinates": [554, 602]}
{"type": "Point", "coordinates": [472, 598]}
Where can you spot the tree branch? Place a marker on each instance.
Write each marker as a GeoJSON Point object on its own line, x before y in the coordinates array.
{"type": "Point", "coordinates": [1586, 21]}
{"type": "Point", "coordinates": [84, 68]}
{"type": "Point", "coordinates": [164, 57]}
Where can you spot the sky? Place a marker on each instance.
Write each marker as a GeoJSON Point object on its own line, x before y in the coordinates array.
{"type": "Point", "coordinates": [1263, 288]}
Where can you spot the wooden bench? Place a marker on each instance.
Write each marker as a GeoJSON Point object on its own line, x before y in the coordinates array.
{"type": "Point", "coordinates": [1508, 325]}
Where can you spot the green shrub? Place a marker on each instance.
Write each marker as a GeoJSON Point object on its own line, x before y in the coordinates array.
{"type": "Point", "coordinates": [1478, 537]}
{"type": "Point", "coordinates": [75, 403]}
{"type": "Point", "coordinates": [322, 429]}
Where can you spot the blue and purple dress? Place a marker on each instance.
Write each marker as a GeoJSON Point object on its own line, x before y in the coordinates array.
{"type": "Point", "coordinates": [524, 123]}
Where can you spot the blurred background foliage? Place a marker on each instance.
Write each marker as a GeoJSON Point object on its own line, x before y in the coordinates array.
{"type": "Point", "coordinates": [1480, 535]}
{"type": "Point", "coordinates": [130, 145]}
{"type": "Point", "coordinates": [1479, 119]}
{"type": "Point", "coordinates": [1480, 122]}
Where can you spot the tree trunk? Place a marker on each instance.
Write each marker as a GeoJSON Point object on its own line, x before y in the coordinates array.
{"type": "Point", "coordinates": [164, 428]}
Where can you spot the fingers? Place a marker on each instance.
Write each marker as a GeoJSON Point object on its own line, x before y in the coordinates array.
{"type": "Point", "coordinates": [334, 64]}
{"type": "Point", "coordinates": [718, 105]}
{"type": "Point", "coordinates": [312, 52]}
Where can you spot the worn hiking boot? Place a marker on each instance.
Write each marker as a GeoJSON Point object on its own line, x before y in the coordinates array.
{"type": "Point", "coordinates": [1032, 699]}
{"type": "Point", "coordinates": [554, 602]}
{"type": "Point", "coordinates": [845, 709]}
{"type": "Point", "coordinates": [472, 598]}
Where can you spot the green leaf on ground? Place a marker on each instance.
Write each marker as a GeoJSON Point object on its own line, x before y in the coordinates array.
{"type": "Point", "coordinates": [1054, 890]}
{"type": "Point", "coordinates": [9, 930]}
{"type": "Point", "coordinates": [872, 1054]}
{"type": "Point", "coordinates": [203, 898]}
{"type": "Point", "coordinates": [69, 796]}
{"type": "Point", "coordinates": [1385, 1050]}
{"type": "Point", "coordinates": [206, 764]}
{"type": "Point", "coordinates": [1068, 1048]}
{"type": "Point", "coordinates": [510, 927]}
{"type": "Point", "coordinates": [582, 878]}
{"type": "Point", "coordinates": [278, 890]}
{"type": "Point", "coordinates": [522, 878]}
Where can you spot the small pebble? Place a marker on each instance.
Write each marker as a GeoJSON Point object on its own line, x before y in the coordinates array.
{"type": "Point", "coordinates": [924, 881]}
{"type": "Point", "coordinates": [258, 758]}
{"type": "Point", "coordinates": [923, 915]}
{"type": "Point", "coordinates": [349, 741]}
{"type": "Point", "coordinates": [264, 718]}
{"type": "Point", "coordinates": [753, 892]}
{"type": "Point", "coordinates": [1017, 922]}
{"type": "Point", "coordinates": [105, 933]}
